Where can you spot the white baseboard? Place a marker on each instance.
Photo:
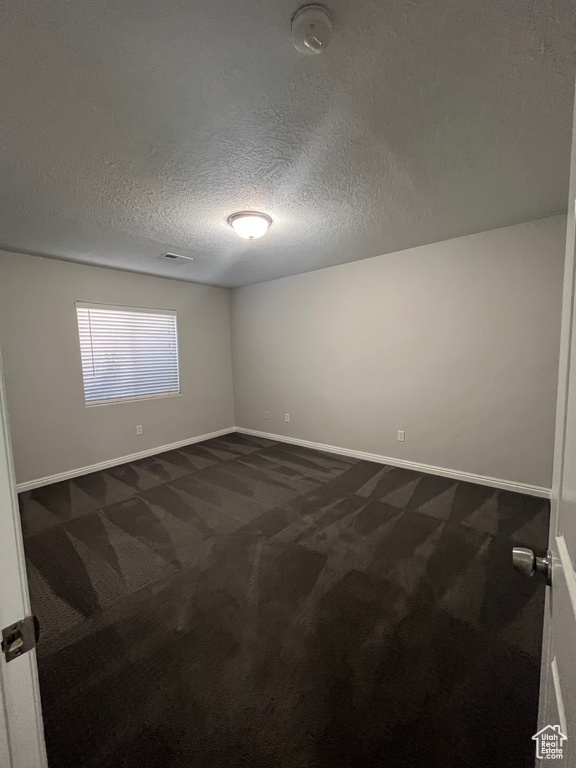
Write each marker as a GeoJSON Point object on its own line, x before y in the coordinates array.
{"type": "Point", "coordinates": [455, 474]}
{"type": "Point", "coordinates": [493, 482]}
{"type": "Point", "coordinates": [28, 486]}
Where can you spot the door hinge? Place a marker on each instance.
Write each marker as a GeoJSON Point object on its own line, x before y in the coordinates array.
{"type": "Point", "coordinates": [19, 638]}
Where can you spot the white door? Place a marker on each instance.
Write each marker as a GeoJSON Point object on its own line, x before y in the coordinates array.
{"type": "Point", "coordinates": [21, 731]}
{"type": "Point", "coordinates": [558, 684]}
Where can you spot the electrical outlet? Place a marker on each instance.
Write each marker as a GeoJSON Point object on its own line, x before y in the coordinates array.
{"type": "Point", "coordinates": [286, 417]}
{"type": "Point", "coordinates": [266, 415]}
{"type": "Point", "coordinates": [401, 435]}
{"type": "Point", "coordinates": [139, 429]}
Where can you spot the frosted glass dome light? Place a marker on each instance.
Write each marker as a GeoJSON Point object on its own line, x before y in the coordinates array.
{"type": "Point", "coordinates": [249, 224]}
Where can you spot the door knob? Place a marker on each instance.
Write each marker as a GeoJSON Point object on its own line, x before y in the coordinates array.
{"type": "Point", "coordinates": [527, 563]}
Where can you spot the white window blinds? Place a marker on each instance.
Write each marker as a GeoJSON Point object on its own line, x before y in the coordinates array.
{"type": "Point", "coordinates": [127, 353]}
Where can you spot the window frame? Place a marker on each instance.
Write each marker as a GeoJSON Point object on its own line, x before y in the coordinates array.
{"type": "Point", "coordinates": [127, 308]}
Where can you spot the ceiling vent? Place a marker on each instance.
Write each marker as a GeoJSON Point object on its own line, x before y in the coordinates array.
{"type": "Point", "coordinates": [177, 257]}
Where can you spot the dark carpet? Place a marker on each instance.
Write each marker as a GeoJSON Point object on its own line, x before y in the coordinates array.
{"type": "Point", "coordinates": [241, 602]}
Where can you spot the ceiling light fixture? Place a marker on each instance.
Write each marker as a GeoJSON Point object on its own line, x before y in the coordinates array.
{"type": "Point", "coordinates": [250, 224]}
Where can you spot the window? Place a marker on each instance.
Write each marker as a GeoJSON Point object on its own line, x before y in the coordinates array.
{"type": "Point", "coordinates": [127, 353]}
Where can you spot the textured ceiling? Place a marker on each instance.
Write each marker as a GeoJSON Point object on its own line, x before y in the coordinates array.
{"type": "Point", "coordinates": [135, 127]}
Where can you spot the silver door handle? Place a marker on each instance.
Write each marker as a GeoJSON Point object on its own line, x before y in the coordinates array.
{"type": "Point", "coordinates": [527, 563]}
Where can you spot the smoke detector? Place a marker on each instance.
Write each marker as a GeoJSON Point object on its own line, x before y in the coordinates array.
{"type": "Point", "coordinates": [311, 29]}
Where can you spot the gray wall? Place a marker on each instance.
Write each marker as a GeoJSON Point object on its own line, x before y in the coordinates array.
{"type": "Point", "coordinates": [52, 430]}
{"type": "Point", "coordinates": [456, 343]}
